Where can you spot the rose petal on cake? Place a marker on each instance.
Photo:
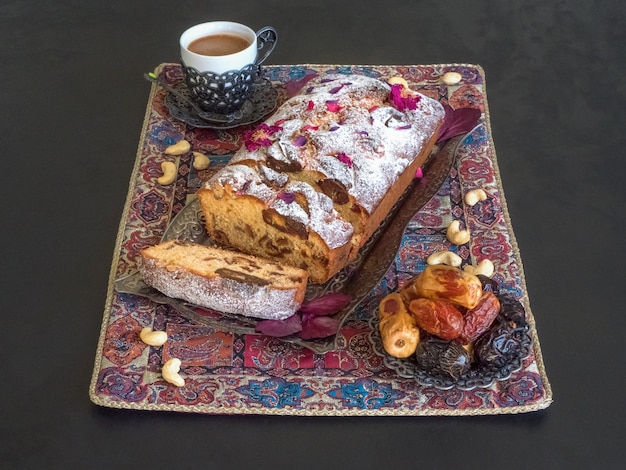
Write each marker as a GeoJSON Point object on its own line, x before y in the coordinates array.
{"type": "Point", "coordinates": [280, 328]}
{"type": "Point", "coordinates": [286, 197]}
{"type": "Point", "coordinates": [300, 141]}
{"type": "Point", "coordinates": [402, 98]}
{"type": "Point", "coordinates": [318, 327]}
{"type": "Point", "coordinates": [345, 159]}
{"type": "Point", "coordinates": [325, 305]}
{"type": "Point", "coordinates": [261, 136]}
{"type": "Point", "coordinates": [333, 106]}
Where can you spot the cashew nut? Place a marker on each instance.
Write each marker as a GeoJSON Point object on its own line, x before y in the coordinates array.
{"type": "Point", "coordinates": [179, 148]}
{"type": "Point", "coordinates": [398, 81]}
{"type": "Point", "coordinates": [153, 338]}
{"type": "Point", "coordinates": [169, 173]}
{"type": "Point", "coordinates": [456, 235]}
{"type": "Point", "coordinates": [444, 257]}
{"type": "Point", "coordinates": [170, 372]}
{"type": "Point", "coordinates": [485, 267]}
{"type": "Point", "coordinates": [200, 161]}
{"type": "Point", "coordinates": [451, 78]}
{"type": "Point", "coordinates": [474, 196]}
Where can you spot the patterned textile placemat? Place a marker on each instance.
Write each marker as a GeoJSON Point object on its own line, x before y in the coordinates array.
{"type": "Point", "coordinates": [232, 373]}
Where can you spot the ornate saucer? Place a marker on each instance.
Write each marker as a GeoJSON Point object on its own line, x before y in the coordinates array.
{"type": "Point", "coordinates": [263, 100]}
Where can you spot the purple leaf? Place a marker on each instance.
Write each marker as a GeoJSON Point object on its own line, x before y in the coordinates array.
{"type": "Point", "coordinates": [294, 86]}
{"type": "Point", "coordinates": [318, 327]}
{"type": "Point", "coordinates": [325, 305]}
{"type": "Point", "coordinates": [458, 121]}
{"type": "Point", "coordinates": [280, 328]}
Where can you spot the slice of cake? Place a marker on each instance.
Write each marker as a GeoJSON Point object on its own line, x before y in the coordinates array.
{"type": "Point", "coordinates": [224, 280]}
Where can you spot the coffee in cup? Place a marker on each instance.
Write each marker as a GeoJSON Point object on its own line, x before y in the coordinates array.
{"type": "Point", "coordinates": [218, 44]}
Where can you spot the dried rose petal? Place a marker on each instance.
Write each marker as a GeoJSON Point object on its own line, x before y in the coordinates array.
{"type": "Point", "coordinates": [244, 188]}
{"type": "Point", "coordinates": [300, 141]}
{"type": "Point", "coordinates": [333, 106]}
{"type": "Point", "coordinates": [280, 328]}
{"type": "Point", "coordinates": [309, 127]}
{"type": "Point", "coordinates": [287, 197]}
{"type": "Point", "coordinates": [337, 89]}
{"type": "Point", "coordinates": [343, 158]}
{"type": "Point", "coordinates": [326, 305]}
{"type": "Point", "coordinates": [419, 173]}
{"type": "Point", "coordinates": [402, 98]}
{"type": "Point", "coordinates": [310, 105]}
{"type": "Point", "coordinates": [261, 136]}
{"type": "Point", "coordinates": [457, 122]}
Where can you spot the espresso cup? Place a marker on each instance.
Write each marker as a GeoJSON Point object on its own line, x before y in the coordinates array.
{"type": "Point", "coordinates": [221, 61]}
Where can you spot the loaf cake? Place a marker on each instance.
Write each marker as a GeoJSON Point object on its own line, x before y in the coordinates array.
{"type": "Point", "coordinates": [224, 280]}
{"type": "Point", "coordinates": [315, 180]}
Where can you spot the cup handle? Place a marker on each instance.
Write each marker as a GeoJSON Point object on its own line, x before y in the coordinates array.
{"type": "Point", "coordinates": [266, 41]}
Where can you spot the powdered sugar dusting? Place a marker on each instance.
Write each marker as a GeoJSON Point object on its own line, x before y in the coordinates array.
{"type": "Point", "coordinates": [320, 216]}
{"type": "Point", "coordinates": [343, 128]}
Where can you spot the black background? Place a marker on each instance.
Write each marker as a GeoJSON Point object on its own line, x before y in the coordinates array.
{"type": "Point", "coordinates": [72, 101]}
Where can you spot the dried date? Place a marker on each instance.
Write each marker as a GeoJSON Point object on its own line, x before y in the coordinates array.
{"type": "Point", "coordinates": [437, 317]}
{"type": "Point", "coordinates": [445, 283]}
{"type": "Point", "coordinates": [478, 319]}
{"type": "Point", "coordinates": [442, 358]}
{"type": "Point", "coordinates": [512, 311]}
{"type": "Point", "coordinates": [489, 284]}
{"type": "Point", "coordinates": [499, 345]}
{"type": "Point", "coordinates": [285, 224]}
{"type": "Point", "coordinates": [241, 277]}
